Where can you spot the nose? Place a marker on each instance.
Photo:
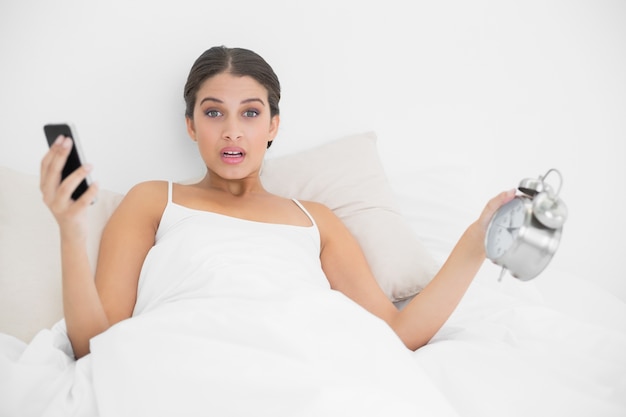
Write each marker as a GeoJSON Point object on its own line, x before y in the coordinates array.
{"type": "Point", "coordinates": [232, 130]}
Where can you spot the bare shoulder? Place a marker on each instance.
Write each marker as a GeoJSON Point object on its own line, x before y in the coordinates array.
{"type": "Point", "coordinates": [150, 190]}
{"type": "Point", "coordinates": [327, 221]}
{"type": "Point", "coordinates": [319, 211]}
{"type": "Point", "coordinates": [145, 201]}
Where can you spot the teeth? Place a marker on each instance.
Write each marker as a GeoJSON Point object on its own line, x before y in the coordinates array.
{"type": "Point", "coordinates": [230, 153]}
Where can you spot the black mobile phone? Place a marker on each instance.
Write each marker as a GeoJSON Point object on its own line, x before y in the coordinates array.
{"type": "Point", "coordinates": [75, 158]}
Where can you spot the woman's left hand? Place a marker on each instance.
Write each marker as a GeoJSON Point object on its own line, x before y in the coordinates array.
{"type": "Point", "coordinates": [492, 206]}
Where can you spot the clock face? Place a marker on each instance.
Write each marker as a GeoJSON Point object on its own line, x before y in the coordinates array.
{"type": "Point", "coordinates": [504, 228]}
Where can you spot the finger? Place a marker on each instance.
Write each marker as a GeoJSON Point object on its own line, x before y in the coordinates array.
{"type": "Point", "coordinates": [49, 156]}
{"type": "Point", "coordinates": [71, 182]}
{"type": "Point", "coordinates": [502, 198]}
{"type": "Point", "coordinates": [89, 196]}
{"type": "Point", "coordinates": [499, 200]}
{"type": "Point", "coordinates": [56, 155]}
{"type": "Point", "coordinates": [53, 163]}
{"type": "Point", "coordinates": [494, 204]}
{"type": "Point", "coordinates": [75, 208]}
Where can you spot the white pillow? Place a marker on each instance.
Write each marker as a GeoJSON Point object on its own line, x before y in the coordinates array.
{"type": "Point", "coordinates": [30, 262]}
{"type": "Point", "coordinates": [347, 176]}
{"type": "Point", "coordinates": [438, 200]}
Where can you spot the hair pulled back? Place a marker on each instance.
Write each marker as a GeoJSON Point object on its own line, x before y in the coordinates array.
{"type": "Point", "coordinates": [236, 61]}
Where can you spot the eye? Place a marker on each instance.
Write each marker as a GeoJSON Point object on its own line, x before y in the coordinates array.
{"type": "Point", "coordinates": [250, 113]}
{"type": "Point", "coordinates": [213, 113]}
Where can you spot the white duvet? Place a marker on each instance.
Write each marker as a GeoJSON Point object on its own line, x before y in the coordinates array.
{"type": "Point", "coordinates": [312, 353]}
{"type": "Point", "coordinates": [315, 353]}
{"type": "Point", "coordinates": [229, 337]}
{"type": "Point", "coordinates": [508, 354]}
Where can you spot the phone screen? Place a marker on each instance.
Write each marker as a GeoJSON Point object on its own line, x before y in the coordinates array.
{"type": "Point", "coordinates": [53, 131]}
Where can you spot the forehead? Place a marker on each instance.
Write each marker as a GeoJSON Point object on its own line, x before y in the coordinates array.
{"type": "Point", "coordinates": [226, 86]}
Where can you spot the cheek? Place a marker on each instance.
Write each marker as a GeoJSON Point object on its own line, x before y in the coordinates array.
{"type": "Point", "coordinates": [205, 130]}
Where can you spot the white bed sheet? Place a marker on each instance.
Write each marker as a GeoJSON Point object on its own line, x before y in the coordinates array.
{"type": "Point", "coordinates": [553, 346]}
{"type": "Point", "coordinates": [509, 349]}
{"type": "Point", "coordinates": [505, 351]}
{"type": "Point", "coordinates": [301, 354]}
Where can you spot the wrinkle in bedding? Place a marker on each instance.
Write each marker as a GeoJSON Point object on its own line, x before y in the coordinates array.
{"type": "Point", "coordinates": [237, 318]}
{"type": "Point", "coordinates": [498, 356]}
{"type": "Point", "coordinates": [232, 318]}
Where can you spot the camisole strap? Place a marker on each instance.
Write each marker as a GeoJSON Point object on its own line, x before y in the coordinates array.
{"type": "Point", "coordinates": [169, 192]}
{"type": "Point", "coordinates": [305, 211]}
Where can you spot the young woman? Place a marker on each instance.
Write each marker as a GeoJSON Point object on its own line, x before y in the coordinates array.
{"type": "Point", "coordinates": [232, 113]}
{"type": "Point", "coordinates": [220, 287]}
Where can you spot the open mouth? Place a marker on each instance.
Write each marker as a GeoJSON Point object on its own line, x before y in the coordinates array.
{"type": "Point", "coordinates": [232, 154]}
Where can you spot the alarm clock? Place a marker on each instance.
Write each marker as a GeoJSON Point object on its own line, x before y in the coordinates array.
{"type": "Point", "coordinates": [524, 234]}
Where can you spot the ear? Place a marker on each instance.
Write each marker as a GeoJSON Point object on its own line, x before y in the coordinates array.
{"type": "Point", "coordinates": [191, 129]}
{"type": "Point", "coordinates": [274, 123]}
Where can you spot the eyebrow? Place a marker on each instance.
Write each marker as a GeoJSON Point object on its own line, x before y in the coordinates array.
{"type": "Point", "coordinates": [248, 100]}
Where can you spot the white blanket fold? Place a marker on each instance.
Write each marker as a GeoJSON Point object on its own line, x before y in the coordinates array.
{"type": "Point", "coordinates": [314, 353]}
{"type": "Point", "coordinates": [500, 356]}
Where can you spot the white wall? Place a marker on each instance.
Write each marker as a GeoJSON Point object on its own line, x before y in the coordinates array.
{"type": "Point", "coordinates": [514, 87]}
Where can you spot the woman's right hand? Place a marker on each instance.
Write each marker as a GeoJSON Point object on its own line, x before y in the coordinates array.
{"type": "Point", "coordinates": [70, 215]}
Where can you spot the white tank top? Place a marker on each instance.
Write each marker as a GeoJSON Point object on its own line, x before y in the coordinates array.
{"type": "Point", "coordinates": [205, 254]}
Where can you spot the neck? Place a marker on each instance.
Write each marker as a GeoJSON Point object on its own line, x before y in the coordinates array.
{"type": "Point", "coordinates": [234, 187]}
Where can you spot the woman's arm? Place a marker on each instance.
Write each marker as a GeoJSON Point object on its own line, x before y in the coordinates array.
{"type": "Point", "coordinates": [81, 305]}
{"type": "Point", "coordinates": [424, 315]}
{"type": "Point", "coordinates": [90, 310]}
{"type": "Point", "coordinates": [125, 242]}
{"type": "Point", "coordinates": [421, 318]}
{"type": "Point", "coordinates": [347, 271]}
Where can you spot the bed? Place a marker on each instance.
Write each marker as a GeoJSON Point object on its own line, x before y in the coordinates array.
{"type": "Point", "coordinates": [554, 346]}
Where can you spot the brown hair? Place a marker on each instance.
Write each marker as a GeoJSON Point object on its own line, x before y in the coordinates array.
{"type": "Point", "coordinates": [237, 61]}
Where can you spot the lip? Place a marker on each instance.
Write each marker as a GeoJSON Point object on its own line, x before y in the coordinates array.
{"type": "Point", "coordinates": [232, 155]}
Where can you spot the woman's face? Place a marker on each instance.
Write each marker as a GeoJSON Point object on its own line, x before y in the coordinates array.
{"type": "Point", "coordinates": [232, 125]}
